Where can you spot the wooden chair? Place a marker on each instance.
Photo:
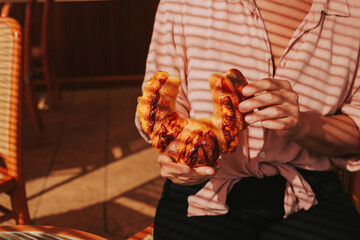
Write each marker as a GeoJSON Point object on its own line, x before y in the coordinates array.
{"type": "Point", "coordinates": [351, 185]}
{"type": "Point", "coordinates": [29, 92]}
{"type": "Point", "coordinates": [26, 232]}
{"type": "Point", "coordinates": [44, 53]}
{"type": "Point", "coordinates": [145, 234]}
{"type": "Point", "coordinates": [353, 188]}
{"type": "Point", "coordinates": [11, 175]}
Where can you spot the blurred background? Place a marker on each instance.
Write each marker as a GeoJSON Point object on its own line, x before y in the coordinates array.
{"type": "Point", "coordinates": [85, 165]}
{"type": "Point", "coordinates": [93, 39]}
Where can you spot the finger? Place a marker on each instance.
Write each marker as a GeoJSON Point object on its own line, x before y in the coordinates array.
{"type": "Point", "coordinates": [203, 171]}
{"type": "Point", "coordinates": [280, 124]}
{"type": "Point", "coordinates": [198, 174]}
{"type": "Point", "coordinates": [189, 182]}
{"type": "Point", "coordinates": [267, 84]}
{"type": "Point", "coordinates": [265, 99]}
{"type": "Point", "coordinates": [188, 179]}
{"type": "Point", "coordinates": [269, 113]}
{"type": "Point", "coordinates": [168, 166]}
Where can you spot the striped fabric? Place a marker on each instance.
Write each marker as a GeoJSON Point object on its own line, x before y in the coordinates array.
{"type": "Point", "coordinates": [193, 39]}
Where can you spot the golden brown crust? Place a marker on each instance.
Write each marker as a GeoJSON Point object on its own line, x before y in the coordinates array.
{"type": "Point", "coordinates": [169, 129]}
{"type": "Point", "coordinates": [239, 82]}
{"type": "Point", "coordinates": [195, 142]}
{"type": "Point", "coordinates": [228, 126]}
{"type": "Point", "coordinates": [148, 103]}
{"type": "Point", "coordinates": [200, 149]}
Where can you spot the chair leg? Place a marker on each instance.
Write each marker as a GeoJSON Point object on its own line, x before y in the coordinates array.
{"type": "Point", "coordinates": [20, 206]}
{"type": "Point", "coordinates": [49, 79]}
{"type": "Point", "coordinates": [55, 81]}
{"type": "Point", "coordinates": [354, 189]}
{"type": "Point", "coordinates": [30, 100]}
{"type": "Point", "coordinates": [46, 36]}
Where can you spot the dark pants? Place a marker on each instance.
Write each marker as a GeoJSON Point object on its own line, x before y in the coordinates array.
{"type": "Point", "coordinates": [256, 212]}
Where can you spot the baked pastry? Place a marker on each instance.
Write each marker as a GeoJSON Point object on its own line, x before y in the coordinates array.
{"type": "Point", "coordinates": [195, 142]}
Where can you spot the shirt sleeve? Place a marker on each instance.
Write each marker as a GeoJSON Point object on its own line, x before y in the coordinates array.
{"type": "Point", "coordinates": [351, 108]}
{"type": "Point", "coordinates": [167, 52]}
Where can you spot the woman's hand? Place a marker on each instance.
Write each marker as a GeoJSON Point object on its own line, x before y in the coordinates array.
{"type": "Point", "coordinates": [183, 174]}
{"type": "Point", "coordinates": [274, 104]}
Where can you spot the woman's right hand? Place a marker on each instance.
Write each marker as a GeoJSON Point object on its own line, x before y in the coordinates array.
{"type": "Point", "coordinates": [183, 174]}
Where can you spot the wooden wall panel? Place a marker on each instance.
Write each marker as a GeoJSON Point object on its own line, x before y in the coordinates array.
{"type": "Point", "coordinates": [98, 38]}
{"type": "Point", "coordinates": [82, 39]}
{"type": "Point", "coordinates": [133, 24]}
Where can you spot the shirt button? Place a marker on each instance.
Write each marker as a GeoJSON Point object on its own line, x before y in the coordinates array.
{"type": "Point", "coordinates": [262, 154]}
{"type": "Point", "coordinates": [268, 56]}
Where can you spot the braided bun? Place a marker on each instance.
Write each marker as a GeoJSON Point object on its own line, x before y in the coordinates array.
{"type": "Point", "coordinates": [195, 142]}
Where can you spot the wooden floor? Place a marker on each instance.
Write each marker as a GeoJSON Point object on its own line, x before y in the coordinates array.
{"type": "Point", "coordinates": [92, 171]}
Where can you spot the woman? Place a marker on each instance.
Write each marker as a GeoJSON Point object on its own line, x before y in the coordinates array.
{"type": "Point", "coordinates": [301, 60]}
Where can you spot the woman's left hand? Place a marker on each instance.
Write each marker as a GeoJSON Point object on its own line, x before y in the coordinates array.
{"type": "Point", "coordinates": [274, 104]}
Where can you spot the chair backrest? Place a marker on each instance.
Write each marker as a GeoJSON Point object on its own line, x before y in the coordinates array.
{"type": "Point", "coordinates": [10, 88]}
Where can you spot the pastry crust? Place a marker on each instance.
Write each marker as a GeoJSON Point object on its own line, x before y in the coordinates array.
{"type": "Point", "coordinates": [195, 142]}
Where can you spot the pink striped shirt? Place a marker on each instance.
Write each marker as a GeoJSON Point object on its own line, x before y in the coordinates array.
{"type": "Point", "coordinates": [195, 38]}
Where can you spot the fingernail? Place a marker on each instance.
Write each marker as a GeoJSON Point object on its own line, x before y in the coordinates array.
{"type": "Point", "coordinates": [246, 91]}
{"type": "Point", "coordinates": [248, 119]}
{"type": "Point", "coordinates": [208, 171]}
{"type": "Point", "coordinates": [243, 105]}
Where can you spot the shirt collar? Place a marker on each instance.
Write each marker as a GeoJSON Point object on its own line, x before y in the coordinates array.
{"type": "Point", "coordinates": [333, 7]}
{"type": "Point", "coordinates": [250, 4]}
{"type": "Point", "coordinates": [330, 7]}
